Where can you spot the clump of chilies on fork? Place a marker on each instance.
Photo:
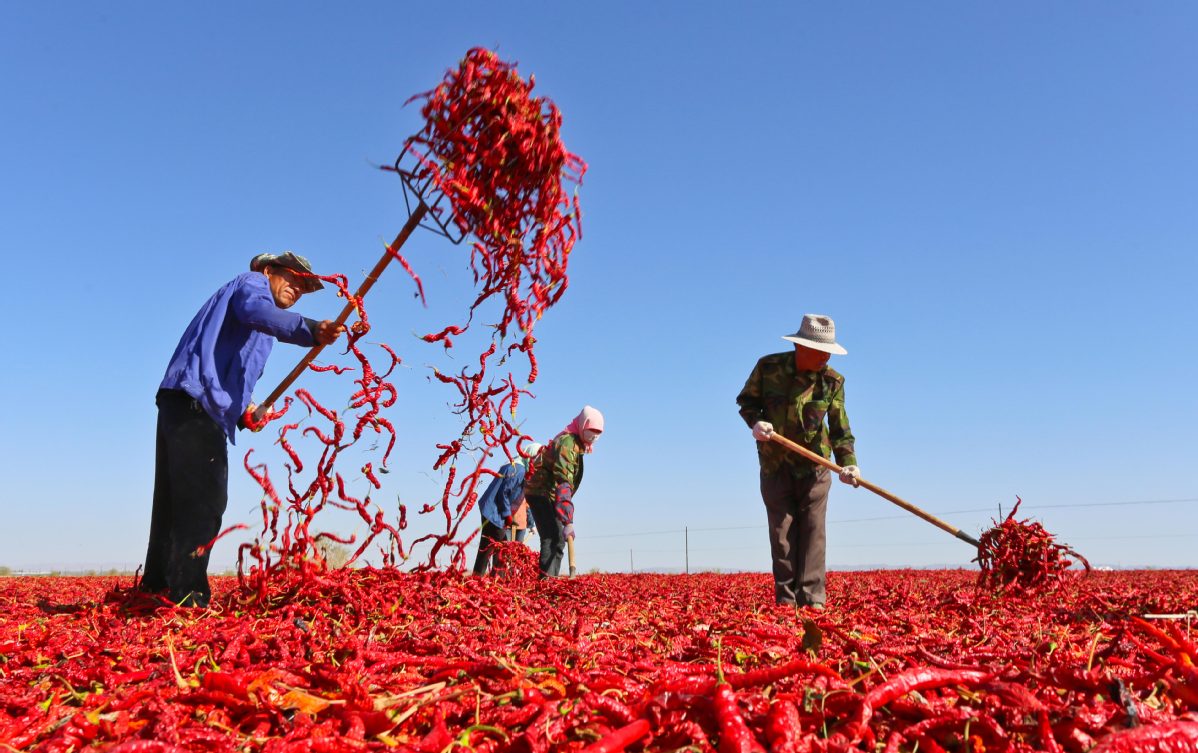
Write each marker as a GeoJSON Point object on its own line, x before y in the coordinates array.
{"type": "Point", "coordinates": [495, 151]}
{"type": "Point", "coordinates": [1021, 555]}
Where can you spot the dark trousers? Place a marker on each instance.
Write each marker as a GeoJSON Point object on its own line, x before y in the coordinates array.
{"type": "Point", "coordinates": [553, 537]}
{"type": "Point", "coordinates": [191, 490]}
{"type": "Point", "coordinates": [491, 533]}
{"type": "Point", "coordinates": [795, 509]}
{"type": "Point", "coordinates": [485, 560]}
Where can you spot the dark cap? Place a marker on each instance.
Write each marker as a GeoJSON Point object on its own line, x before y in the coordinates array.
{"type": "Point", "coordinates": [291, 261]}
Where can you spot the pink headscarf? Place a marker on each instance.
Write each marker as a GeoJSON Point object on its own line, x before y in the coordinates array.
{"type": "Point", "coordinates": [589, 418]}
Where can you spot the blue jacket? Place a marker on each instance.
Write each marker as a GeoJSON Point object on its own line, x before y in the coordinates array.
{"type": "Point", "coordinates": [502, 494]}
{"type": "Point", "coordinates": [223, 351]}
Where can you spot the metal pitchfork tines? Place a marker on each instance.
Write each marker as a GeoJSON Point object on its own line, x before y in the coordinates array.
{"type": "Point", "coordinates": [422, 198]}
{"type": "Point", "coordinates": [417, 176]}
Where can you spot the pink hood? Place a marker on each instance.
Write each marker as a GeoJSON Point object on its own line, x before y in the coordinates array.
{"type": "Point", "coordinates": [589, 418]}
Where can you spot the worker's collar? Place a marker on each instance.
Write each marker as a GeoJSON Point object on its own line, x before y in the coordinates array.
{"type": "Point", "coordinates": [790, 364]}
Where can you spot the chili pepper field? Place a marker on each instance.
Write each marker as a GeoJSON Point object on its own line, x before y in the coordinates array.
{"type": "Point", "coordinates": [432, 662]}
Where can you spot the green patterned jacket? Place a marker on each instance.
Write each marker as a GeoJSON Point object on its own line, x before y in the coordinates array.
{"type": "Point", "coordinates": [805, 406]}
{"type": "Point", "coordinates": [556, 473]}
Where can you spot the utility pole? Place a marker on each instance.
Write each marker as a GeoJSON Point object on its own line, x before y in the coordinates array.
{"type": "Point", "coordinates": [686, 545]}
{"type": "Point", "coordinates": [631, 567]}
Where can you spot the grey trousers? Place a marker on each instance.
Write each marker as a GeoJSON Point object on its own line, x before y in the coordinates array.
{"type": "Point", "coordinates": [795, 508]}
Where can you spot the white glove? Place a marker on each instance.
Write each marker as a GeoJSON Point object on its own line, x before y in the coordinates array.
{"type": "Point", "coordinates": [851, 474]}
{"type": "Point", "coordinates": [762, 431]}
{"type": "Point", "coordinates": [568, 531]}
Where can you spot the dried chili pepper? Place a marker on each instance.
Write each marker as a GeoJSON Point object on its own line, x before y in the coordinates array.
{"type": "Point", "coordinates": [620, 739]}
{"type": "Point", "coordinates": [1174, 737]}
{"type": "Point", "coordinates": [1021, 555]}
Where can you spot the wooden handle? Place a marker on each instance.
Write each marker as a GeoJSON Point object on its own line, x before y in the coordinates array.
{"type": "Point", "coordinates": [570, 546]}
{"type": "Point", "coordinates": [821, 460]}
{"type": "Point", "coordinates": [511, 533]}
{"type": "Point", "coordinates": [363, 289]}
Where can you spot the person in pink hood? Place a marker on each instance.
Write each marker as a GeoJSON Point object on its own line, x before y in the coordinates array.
{"type": "Point", "coordinates": [552, 482]}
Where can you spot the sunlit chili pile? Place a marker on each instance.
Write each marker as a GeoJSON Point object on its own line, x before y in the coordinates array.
{"type": "Point", "coordinates": [1019, 555]}
{"type": "Point", "coordinates": [380, 660]}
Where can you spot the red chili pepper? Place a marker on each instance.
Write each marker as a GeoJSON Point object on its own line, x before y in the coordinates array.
{"type": "Point", "coordinates": [783, 727]}
{"type": "Point", "coordinates": [610, 707]}
{"type": "Point", "coordinates": [921, 678]}
{"type": "Point", "coordinates": [735, 735]}
{"type": "Point", "coordinates": [235, 684]}
{"type": "Point", "coordinates": [620, 739]}
{"type": "Point", "coordinates": [1047, 739]}
{"type": "Point", "coordinates": [1173, 737]}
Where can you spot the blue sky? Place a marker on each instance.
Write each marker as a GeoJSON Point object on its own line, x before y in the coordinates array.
{"type": "Point", "coordinates": [995, 201]}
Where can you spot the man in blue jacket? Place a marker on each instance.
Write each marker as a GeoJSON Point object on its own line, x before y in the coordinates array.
{"type": "Point", "coordinates": [501, 498]}
{"type": "Point", "coordinates": [201, 400]}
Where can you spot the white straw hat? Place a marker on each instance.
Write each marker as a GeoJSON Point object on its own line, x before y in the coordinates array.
{"type": "Point", "coordinates": [817, 332]}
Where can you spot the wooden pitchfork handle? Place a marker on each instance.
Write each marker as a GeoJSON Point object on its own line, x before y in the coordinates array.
{"type": "Point", "coordinates": [413, 220]}
{"type": "Point", "coordinates": [570, 546]}
{"type": "Point", "coordinates": [821, 460]}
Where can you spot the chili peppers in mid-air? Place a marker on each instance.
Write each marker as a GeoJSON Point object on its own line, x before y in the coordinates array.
{"type": "Point", "coordinates": [288, 540]}
{"type": "Point", "coordinates": [495, 152]}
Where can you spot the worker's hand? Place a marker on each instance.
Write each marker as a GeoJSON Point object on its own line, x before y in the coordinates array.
{"type": "Point", "coordinates": [851, 474]}
{"type": "Point", "coordinates": [568, 531]}
{"type": "Point", "coordinates": [508, 522]}
{"type": "Point", "coordinates": [328, 331]}
{"type": "Point", "coordinates": [252, 419]}
{"type": "Point", "coordinates": [762, 431]}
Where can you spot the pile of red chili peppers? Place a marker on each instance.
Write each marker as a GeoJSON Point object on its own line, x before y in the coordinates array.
{"type": "Point", "coordinates": [515, 562]}
{"type": "Point", "coordinates": [376, 660]}
{"type": "Point", "coordinates": [1020, 555]}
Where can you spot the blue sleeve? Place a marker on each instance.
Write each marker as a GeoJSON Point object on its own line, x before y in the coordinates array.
{"type": "Point", "coordinates": [510, 493]}
{"type": "Point", "coordinates": [255, 308]}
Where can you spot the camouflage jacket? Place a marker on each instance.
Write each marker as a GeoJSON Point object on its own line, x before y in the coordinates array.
{"type": "Point", "coordinates": [797, 404]}
{"type": "Point", "coordinates": [555, 475]}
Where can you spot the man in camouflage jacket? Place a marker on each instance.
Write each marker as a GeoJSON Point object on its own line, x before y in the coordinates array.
{"type": "Point", "coordinates": [797, 395]}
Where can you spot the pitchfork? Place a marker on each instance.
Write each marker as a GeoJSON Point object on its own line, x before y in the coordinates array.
{"type": "Point", "coordinates": [821, 460]}
{"type": "Point", "coordinates": [420, 190]}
